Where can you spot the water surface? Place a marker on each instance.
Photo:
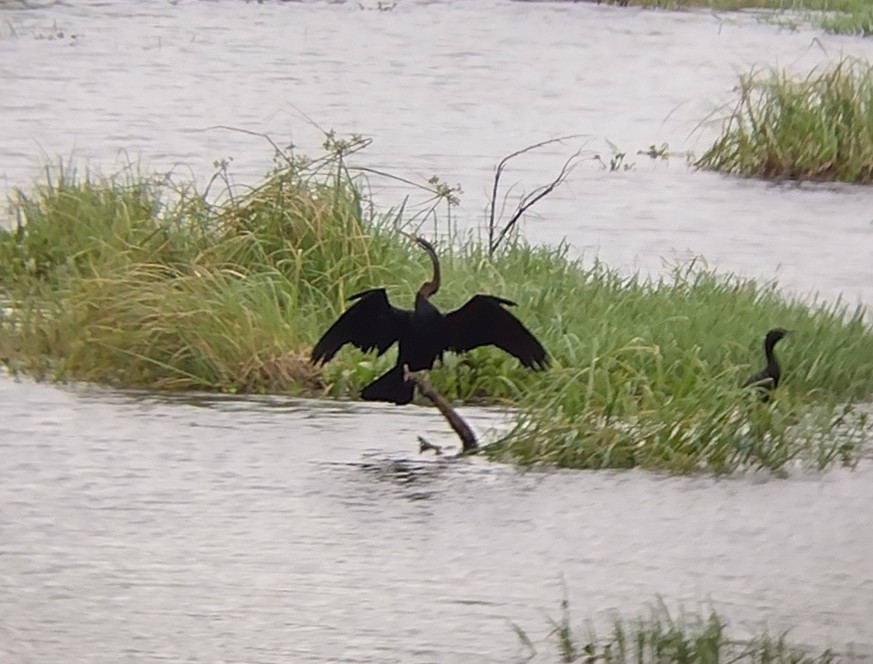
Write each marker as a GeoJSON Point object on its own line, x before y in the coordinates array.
{"type": "Point", "coordinates": [148, 528]}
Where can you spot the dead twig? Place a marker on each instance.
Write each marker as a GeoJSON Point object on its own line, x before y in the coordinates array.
{"type": "Point", "coordinates": [530, 199]}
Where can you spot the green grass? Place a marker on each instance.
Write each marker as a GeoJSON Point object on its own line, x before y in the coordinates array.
{"type": "Point", "coordinates": [839, 16]}
{"type": "Point", "coordinates": [858, 20]}
{"type": "Point", "coordinates": [815, 128]}
{"type": "Point", "coordinates": [135, 282]}
{"type": "Point", "coordinates": [733, 5]}
{"type": "Point", "coordinates": [660, 638]}
{"type": "Point", "coordinates": [647, 374]}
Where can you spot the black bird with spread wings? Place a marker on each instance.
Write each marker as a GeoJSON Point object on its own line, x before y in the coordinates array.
{"type": "Point", "coordinates": [425, 333]}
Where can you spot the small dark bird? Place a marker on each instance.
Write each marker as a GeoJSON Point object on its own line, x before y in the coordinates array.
{"type": "Point", "coordinates": [425, 333]}
{"type": "Point", "coordinates": [767, 379]}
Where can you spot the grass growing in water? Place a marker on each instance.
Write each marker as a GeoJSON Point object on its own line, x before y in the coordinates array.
{"type": "Point", "coordinates": [858, 20]}
{"type": "Point", "coordinates": [115, 281]}
{"type": "Point", "coordinates": [816, 128]}
{"type": "Point", "coordinates": [839, 16]}
{"type": "Point", "coordinates": [660, 638]}
{"type": "Point", "coordinates": [647, 375]}
{"type": "Point", "coordinates": [731, 5]}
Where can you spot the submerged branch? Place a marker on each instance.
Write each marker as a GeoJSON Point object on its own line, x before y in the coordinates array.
{"type": "Point", "coordinates": [459, 426]}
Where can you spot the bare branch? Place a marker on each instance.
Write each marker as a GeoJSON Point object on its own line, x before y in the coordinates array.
{"type": "Point", "coordinates": [499, 172]}
{"type": "Point", "coordinates": [459, 426]}
{"type": "Point", "coordinates": [531, 199]}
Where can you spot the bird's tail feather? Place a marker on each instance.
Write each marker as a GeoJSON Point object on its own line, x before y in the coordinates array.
{"type": "Point", "coordinates": [390, 386]}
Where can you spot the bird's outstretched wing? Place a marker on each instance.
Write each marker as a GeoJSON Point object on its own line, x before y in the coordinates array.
{"type": "Point", "coordinates": [483, 321]}
{"type": "Point", "coordinates": [372, 322]}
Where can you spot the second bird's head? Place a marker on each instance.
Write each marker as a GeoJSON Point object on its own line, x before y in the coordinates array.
{"type": "Point", "coordinates": [775, 335]}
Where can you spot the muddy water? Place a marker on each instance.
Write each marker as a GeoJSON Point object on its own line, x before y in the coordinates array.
{"type": "Point", "coordinates": [142, 528]}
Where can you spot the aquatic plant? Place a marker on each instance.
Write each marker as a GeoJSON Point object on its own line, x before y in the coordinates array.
{"type": "Point", "coordinates": [137, 281]}
{"type": "Point", "coordinates": [856, 20]}
{"type": "Point", "coordinates": [840, 16]}
{"type": "Point", "coordinates": [660, 637]}
{"type": "Point", "coordinates": [728, 5]}
{"type": "Point", "coordinates": [815, 128]}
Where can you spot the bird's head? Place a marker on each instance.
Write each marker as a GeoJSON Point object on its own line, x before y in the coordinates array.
{"type": "Point", "coordinates": [775, 335]}
{"type": "Point", "coordinates": [429, 287]}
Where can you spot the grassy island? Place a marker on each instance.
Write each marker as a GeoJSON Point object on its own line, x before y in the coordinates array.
{"type": "Point", "coordinates": [133, 281]}
{"type": "Point", "coordinates": [819, 127]}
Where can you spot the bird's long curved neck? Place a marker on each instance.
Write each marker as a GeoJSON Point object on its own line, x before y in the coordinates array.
{"type": "Point", "coordinates": [772, 362]}
{"type": "Point", "coordinates": [429, 288]}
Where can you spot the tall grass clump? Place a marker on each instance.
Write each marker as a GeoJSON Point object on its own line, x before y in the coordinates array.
{"type": "Point", "coordinates": [816, 128]}
{"type": "Point", "coordinates": [135, 281]}
{"type": "Point", "coordinates": [856, 20]}
{"type": "Point", "coordinates": [661, 638]}
{"type": "Point", "coordinates": [70, 223]}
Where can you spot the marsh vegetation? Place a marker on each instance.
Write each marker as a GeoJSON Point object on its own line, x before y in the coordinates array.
{"type": "Point", "coordinates": [686, 638]}
{"type": "Point", "coordinates": [818, 127]}
{"type": "Point", "coordinates": [137, 282]}
{"type": "Point", "coordinates": [839, 16]}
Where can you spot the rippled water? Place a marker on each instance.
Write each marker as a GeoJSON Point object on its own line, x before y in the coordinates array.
{"type": "Point", "coordinates": [146, 528]}
{"type": "Point", "coordinates": [138, 527]}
